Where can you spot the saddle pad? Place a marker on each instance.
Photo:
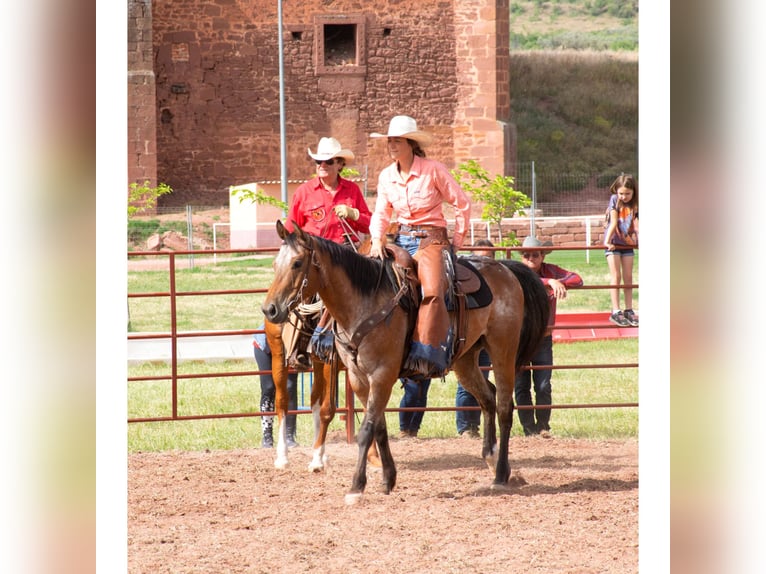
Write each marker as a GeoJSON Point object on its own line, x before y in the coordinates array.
{"type": "Point", "coordinates": [483, 296]}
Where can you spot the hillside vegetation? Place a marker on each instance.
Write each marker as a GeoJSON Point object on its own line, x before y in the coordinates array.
{"type": "Point", "coordinates": [576, 112]}
{"type": "Point", "coordinates": [574, 25]}
{"type": "Point", "coordinates": [574, 85]}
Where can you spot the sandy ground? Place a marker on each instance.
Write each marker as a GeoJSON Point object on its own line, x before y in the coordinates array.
{"type": "Point", "coordinates": [572, 507]}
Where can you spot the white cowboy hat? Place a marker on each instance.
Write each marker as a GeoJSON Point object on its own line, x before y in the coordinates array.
{"type": "Point", "coordinates": [405, 127]}
{"type": "Point", "coordinates": [329, 148]}
{"type": "Point", "coordinates": [533, 242]}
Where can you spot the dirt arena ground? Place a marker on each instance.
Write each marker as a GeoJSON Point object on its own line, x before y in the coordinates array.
{"type": "Point", "coordinates": [572, 507]}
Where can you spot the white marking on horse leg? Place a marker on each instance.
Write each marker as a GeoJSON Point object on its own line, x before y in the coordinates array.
{"type": "Point", "coordinates": [318, 460]}
{"type": "Point", "coordinates": [316, 411]}
{"type": "Point", "coordinates": [281, 461]}
{"type": "Point", "coordinates": [353, 498]}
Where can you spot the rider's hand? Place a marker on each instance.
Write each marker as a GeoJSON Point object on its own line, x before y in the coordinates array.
{"type": "Point", "coordinates": [346, 211]}
{"type": "Point", "coordinates": [376, 250]}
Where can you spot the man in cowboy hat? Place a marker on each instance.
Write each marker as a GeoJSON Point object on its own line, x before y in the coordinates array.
{"type": "Point", "coordinates": [327, 206]}
{"type": "Point", "coordinates": [556, 280]}
{"type": "Point", "coordinates": [416, 188]}
{"type": "Point", "coordinates": [319, 204]}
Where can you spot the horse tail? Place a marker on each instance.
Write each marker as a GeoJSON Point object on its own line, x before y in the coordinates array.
{"type": "Point", "coordinates": [536, 310]}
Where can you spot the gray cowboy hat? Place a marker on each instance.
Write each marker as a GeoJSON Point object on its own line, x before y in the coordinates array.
{"type": "Point", "coordinates": [532, 242]}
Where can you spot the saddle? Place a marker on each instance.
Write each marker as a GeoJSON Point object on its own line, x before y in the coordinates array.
{"type": "Point", "coordinates": [467, 290]}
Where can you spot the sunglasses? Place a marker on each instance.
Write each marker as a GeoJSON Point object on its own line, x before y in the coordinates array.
{"type": "Point", "coordinates": [325, 161]}
{"type": "Point", "coordinates": [531, 255]}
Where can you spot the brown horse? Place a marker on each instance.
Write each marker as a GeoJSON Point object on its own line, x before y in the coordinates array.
{"type": "Point", "coordinates": [323, 391]}
{"type": "Point", "coordinates": [355, 288]}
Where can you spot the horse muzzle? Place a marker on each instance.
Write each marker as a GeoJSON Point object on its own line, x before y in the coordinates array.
{"type": "Point", "coordinates": [275, 313]}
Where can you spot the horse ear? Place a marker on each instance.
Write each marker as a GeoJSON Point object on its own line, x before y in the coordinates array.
{"type": "Point", "coordinates": [281, 229]}
{"type": "Point", "coordinates": [302, 236]}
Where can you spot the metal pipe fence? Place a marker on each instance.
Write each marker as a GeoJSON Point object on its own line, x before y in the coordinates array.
{"type": "Point", "coordinates": [345, 411]}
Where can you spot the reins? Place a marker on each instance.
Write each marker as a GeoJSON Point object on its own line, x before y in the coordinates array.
{"type": "Point", "coordinates": [373, 320]}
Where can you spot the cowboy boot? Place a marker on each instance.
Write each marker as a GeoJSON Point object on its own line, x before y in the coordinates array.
{"type": "Point", "coordinates": [290, 422]}
{"type": "Point", "coordinates": [267, 424]}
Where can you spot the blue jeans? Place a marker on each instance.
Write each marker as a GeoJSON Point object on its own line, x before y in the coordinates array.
{"type": "Point", "coordinates": [543, 392]}
{"type": "Point", "coordinates": [415, 395]}
{"type": "Point", "coordinates": [470, 419]}
{"type": "Point", "coordinates": [409, 244]}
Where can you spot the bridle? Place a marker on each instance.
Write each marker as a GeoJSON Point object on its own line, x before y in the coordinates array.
{"type": "Point", "coordinates": [296, 296]}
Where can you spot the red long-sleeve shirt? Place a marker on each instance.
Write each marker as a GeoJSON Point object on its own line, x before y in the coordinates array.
{"type": "Point", "coordinates": [312, 209]}
{"type": "Point", "coordinates": [550, 271]}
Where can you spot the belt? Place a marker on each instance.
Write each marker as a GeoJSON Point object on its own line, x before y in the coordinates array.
{"type": "Point", "coordinates": [416, 230]}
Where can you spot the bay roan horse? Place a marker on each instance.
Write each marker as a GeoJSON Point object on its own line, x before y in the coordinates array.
{"type": "Point", "coordinates": [354, 287]}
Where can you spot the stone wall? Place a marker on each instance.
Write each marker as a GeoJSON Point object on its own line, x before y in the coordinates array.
{"type": "Point", "coordinates": [142, 125]}
{"type": "Point", "coordinates": [561, 231]}
{"type": "Point", "coordinates": [216, 65]}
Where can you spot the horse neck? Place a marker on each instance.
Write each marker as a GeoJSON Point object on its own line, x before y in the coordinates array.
{"type": "Point", "coordinates": [340, 297]}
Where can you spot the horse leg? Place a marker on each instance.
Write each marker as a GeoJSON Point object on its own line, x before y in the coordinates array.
{"type": "Point", "coordinates": [505, 420]}
{"type": "Point", "coordinates": [323, 409]}
{"type": "Point", "coordinates": [281, 399]}
{"type": "Point", "coordinates": [504, 377]}
{"type": "Point", "coordinates": [470, 376]}
{"type": "Point", "coordinates": [373, 457]}
{"type": "Point", "coordinates": [384, 456]}
{"type": "Point", "coordinates": [364, 439]}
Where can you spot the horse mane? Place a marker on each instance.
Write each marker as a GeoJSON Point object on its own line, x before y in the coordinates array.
{"type": "Point", "coordinates": [368, 275]}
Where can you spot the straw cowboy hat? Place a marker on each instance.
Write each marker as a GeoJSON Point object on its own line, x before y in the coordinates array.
{"type": "Point", "coordinates": [534, 243]}
{"type": "Point", "coordinates": [329, 148]}
{"type": "Point", "coordinates": [405, 127]}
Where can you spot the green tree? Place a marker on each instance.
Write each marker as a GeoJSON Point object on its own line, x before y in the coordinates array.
{"type": "Point", "coordinates": [142, 197]}
{"type": "Point", "coordinates": [497, 196]}
{"type": "Point", "coordinates": [257, 196]}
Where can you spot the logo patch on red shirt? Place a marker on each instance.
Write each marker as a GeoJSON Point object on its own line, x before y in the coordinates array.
{"type": "Point", "coordinates": [318, 214]}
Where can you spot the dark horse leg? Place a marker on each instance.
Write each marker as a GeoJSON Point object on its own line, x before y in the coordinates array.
{"type": "Point", "coordinates": [505, 371]}
{"type": "Point", "coordinates": [372, 429]}
{"type": "Point", "coordinates": [505, 420]}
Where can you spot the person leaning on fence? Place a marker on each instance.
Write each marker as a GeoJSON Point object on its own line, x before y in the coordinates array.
{"type": "Point", "coordinates": [620, 239]}
{"type": "Point", "coordinates": [262, 354]}
{"type": "Point", "coordinates": [468, 422]}
{"type": "Point", "coordinates": [327, 206]}
{"type": "Point", "coordinates": [416, 187]}
{"type": "Point", "coordinates": [556, 280]}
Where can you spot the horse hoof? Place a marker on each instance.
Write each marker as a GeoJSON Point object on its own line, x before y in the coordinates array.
{"type": "Point", "coordinates": [316, 467]}
{"type": "Point", "coordinates": [500, 487]}
{"type": "Point", "coordinates": [280, 463]}
{"type": "Point", "coordinates": [353, 498]}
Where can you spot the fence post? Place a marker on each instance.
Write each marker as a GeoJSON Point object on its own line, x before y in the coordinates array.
{"type": "Point", "coordinates": [190, 234]}
{"type": "Point", "coordinates": [534, 203]}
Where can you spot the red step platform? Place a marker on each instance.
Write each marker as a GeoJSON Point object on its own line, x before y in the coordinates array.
{"type": "Point", "coordinates": [588, 327]}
